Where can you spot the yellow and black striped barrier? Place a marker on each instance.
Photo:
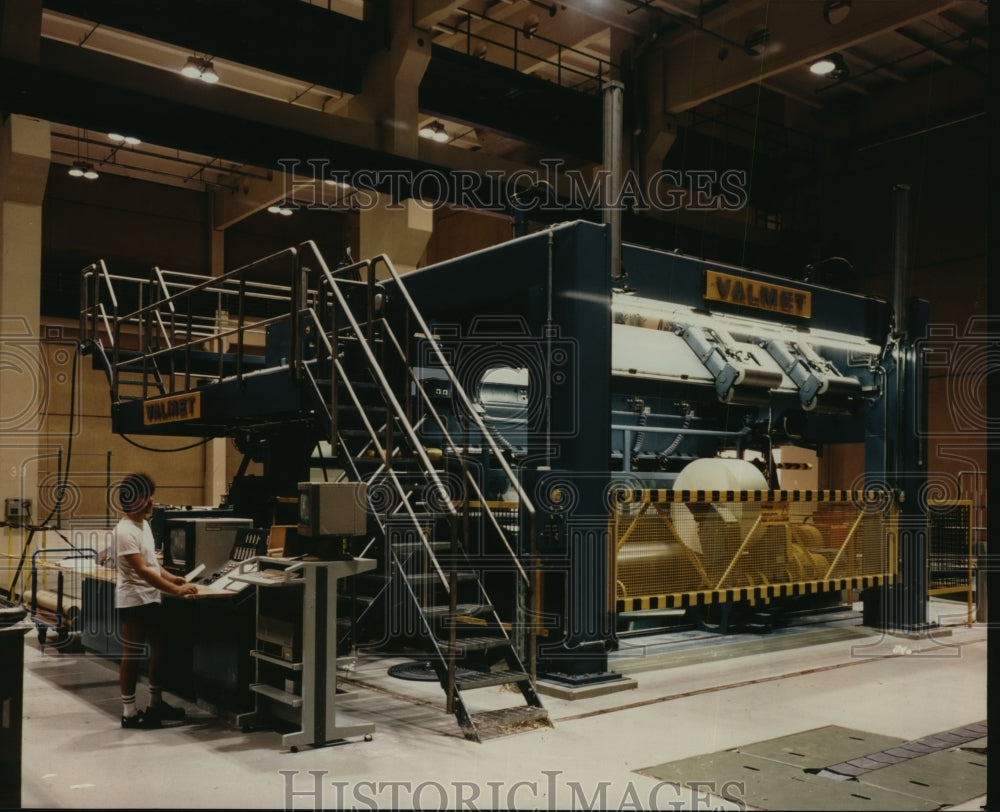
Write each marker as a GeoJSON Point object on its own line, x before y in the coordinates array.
{"type": "Point", "coordinates": [643, 496]}
{"type": "Point", "coordinates": [752, 594]}
{"type": "Point", "coordinates": [747, 545]}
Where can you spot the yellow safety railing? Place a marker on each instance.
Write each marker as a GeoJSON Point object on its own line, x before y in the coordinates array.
{"type": "Point", "coordinates": [680, 548]}
{"type": "Point", "coordinates": [951, 564]}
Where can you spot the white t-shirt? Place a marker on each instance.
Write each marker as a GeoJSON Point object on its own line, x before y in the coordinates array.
{"type": "Point", "coordinates": [131, 589]}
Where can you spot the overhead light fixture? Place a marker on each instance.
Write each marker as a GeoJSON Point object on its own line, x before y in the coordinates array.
{"type": "Point", "coordinates": [756, 41]}
{"type": "Point", "coordinates": [833, 66]}
{"type": "Point", "coordinates": [128, 140]}
{"type": "Point", "coordinates": [209, 75]}
{"type": "Point", "coordinates": [280, 208]}
{"type": "Point", "coordinates": [192, 68]}
{"type": "Point", "coordinates": [435, 130]}
{"type": "Point", "coordinates": [83, 169]}
{"type": "Point", "coordinates": [197, 68]}
{"type": "Point", "coordinates": [836, 11]}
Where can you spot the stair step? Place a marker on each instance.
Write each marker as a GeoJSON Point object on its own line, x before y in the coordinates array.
{"type": "Point", "coordinates": [419, 578]}
{"type": "Point", "coordinates": [510, 718]}
{"type": "Point", "coordinates": [402, 518]}
{"type": "Point", "coordinates": [468, 680]}
{"type": "Point", "coordinates": [404, 547]}
{"type": "Point", "coordinates": [469, 645]}
{"type": "Point", "coordinates": [461, 610]}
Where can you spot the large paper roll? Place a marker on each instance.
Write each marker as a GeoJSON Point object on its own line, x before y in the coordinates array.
{"type": "Point", "coordinates": [716, 474]}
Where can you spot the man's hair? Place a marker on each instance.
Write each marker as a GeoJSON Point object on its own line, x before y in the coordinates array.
{"type": "Point", "coordinates": [134, 489]}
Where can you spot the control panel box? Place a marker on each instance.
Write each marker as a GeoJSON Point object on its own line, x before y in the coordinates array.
{"type": "Point", "coordinates": [332, 509]}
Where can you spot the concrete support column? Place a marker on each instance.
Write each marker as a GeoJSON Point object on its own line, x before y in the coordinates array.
{"type": "Point", "coordinates": [391, 84]}
{"type": "Point", "coordinates": [398, 230]}
{"type": "Point", "coordinates": [658, 129]}
{"type": "Point", "coordinates": [24, 377]}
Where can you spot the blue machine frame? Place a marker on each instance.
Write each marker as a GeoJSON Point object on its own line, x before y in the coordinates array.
{"type": "Point", "coordinates": [588, 383]}
{"type": "Point", "coordinates": [546, 303]}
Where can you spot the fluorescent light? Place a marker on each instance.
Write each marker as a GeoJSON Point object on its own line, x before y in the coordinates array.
{"type": "Point", "coordinates": [196, 68]}
{"type": "Point", "coordinates": [435, 130]}
{"type": "Point", "coordinates": [83, 169]}
{"type": "Point", "coordinates": [128, 140]}
{"type": "Point", "coordinates": [833, 66]}
{"type": "Point", "coordinates": [192, 68]}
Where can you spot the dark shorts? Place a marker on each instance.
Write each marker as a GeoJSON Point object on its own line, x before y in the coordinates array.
{"type": "Point", "coordinates": [142, 620]}
{"type": "Point", "coordinates": [146, 612]}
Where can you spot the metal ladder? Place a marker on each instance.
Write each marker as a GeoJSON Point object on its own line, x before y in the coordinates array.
{"type": "Point", "coordinates": [428, 583]}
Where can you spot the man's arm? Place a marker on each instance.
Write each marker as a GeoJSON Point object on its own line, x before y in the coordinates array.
{"type": "Point", "coordinates": [164, 581]}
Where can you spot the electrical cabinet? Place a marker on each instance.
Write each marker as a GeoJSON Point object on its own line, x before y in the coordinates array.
{"type": "Point", "coordinates": [295, 654]}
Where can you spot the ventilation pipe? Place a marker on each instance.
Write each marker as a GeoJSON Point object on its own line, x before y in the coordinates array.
{"type": "Point", "coordinates": [900, 256]}
{"type": "Point", "coordinates": [612, 215]}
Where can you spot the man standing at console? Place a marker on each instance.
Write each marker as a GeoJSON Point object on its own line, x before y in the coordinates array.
{"type": "Point", "coordinates": [138, 595]}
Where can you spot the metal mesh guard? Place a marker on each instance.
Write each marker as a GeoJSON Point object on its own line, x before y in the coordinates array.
{"type": "Point", "coordinates": [674, 548]}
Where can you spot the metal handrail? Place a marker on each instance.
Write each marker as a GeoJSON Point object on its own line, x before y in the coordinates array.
{"type": "Point", "coordinates": [466, 404]}
{"type": "Point", "coordinates": [457, 388]}
{"type": "Point", "coordinates": [379, 449]}
{"type": "Point", "coordinates": [364, 338]}
{"type": "Point", "coordinates": [159, 319]}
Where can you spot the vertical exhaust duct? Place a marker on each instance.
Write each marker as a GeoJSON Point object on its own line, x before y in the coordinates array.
{"type": "Point", "coordinates": [900, 255]}
{"type": "Point", "coordinates": [612, 214]}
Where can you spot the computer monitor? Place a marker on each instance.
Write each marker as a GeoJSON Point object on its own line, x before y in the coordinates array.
{"type": "Point", "coordinates": [332, 509]}
{"type": "Point", "coordinates": [208, 541]}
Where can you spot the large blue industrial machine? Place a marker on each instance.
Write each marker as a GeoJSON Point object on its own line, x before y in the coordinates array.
{"type": "Point", "coordinates": [547, 446]}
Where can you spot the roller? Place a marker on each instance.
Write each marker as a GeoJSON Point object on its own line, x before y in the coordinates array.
{"type": "Point", "coordinates": [716, 474]}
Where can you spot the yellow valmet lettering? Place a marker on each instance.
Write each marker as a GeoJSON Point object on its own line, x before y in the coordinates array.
{"type": "Point", "coordinates": [721, 287]}
{"type": "Point", "coordinates": [171, 409]}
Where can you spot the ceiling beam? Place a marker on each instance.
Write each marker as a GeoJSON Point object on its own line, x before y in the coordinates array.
{"type": "Point", "coordinates": [788, 94]}
{"type": "Point", "coordinates": [428, 13]}
{"type": "Point", "coordinates": [286, 37]}
{"type": "Point", "coordinates": [874, 67]}
{"type": "Point", "coordinates": [636, 24]}
{"type": "Point", "coordinates": [696, 69]}
{"type": "Point", "coordinates": [931, 50]}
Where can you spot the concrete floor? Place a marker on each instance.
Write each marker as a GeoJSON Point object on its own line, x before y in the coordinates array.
{"type": "Point", "coordinates": [689, 695]}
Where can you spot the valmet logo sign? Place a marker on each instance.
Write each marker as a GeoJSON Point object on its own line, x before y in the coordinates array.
{"type": "Point", "coordinates": [736, 290]}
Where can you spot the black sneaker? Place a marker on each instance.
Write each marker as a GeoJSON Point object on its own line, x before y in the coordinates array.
{"type": "Point", "coordinates": [166, 713]}
{"type": "Point", "coordinates": [136, 721]}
